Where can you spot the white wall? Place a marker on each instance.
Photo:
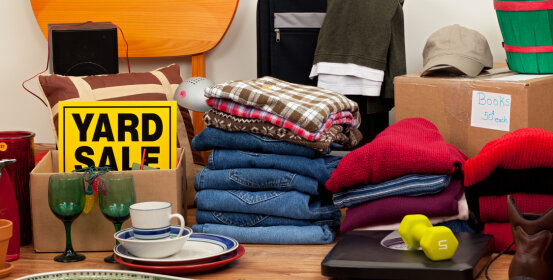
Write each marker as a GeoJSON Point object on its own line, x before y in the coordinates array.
{"type": "Point", "coordinates": [23, 51]}
{"type": "Point", "coordinates": [423, 17]}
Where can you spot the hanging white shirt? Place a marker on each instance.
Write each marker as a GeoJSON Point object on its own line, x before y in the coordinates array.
{"type": "Point", "coordinates": [348, 78]}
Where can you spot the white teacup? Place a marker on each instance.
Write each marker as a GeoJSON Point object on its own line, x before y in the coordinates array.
{"type": "Point", "coordinates": [151, 220]}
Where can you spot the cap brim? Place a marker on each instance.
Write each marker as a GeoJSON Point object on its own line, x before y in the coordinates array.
{"type": "Point", "coordinates": [468, 66]}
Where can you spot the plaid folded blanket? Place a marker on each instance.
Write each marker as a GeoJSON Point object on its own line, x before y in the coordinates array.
{"type": "Point", "coordinates": [307, 106]}
{"type": "Point", "coordinates": [350, 137]}
{"type": "Point", "coordinates": [235, 109]}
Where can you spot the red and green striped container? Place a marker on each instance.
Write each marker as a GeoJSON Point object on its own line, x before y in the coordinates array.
{"type": "Point", "coordinates": [527, 29]}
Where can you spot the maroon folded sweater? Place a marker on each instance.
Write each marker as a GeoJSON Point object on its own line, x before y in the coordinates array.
{"type": "Point", "coordinates": [494, 208]}
{"type": "Point", "coordinates": [410, 146]}
{"type": "Point", "coordinates": [392, 209]}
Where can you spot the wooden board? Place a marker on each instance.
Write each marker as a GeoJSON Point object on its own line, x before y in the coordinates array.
{"type": "Point", "coordinates": [152, 28]}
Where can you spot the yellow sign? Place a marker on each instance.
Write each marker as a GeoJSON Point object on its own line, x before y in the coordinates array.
{"type": "Point", "coordinates": [116, 134]}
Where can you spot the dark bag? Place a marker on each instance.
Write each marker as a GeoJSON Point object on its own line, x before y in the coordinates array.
{"type": "Point", "coordinates": [287, 32]}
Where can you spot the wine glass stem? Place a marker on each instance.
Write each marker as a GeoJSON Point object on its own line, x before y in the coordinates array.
{"type": "Point", "coordinates": [68, 244]}
{"type": "Point", "coordinates": [117, 229]}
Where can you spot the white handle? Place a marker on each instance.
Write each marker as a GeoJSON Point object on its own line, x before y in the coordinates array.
{"type": "Point", "coordinates": [181, 219]}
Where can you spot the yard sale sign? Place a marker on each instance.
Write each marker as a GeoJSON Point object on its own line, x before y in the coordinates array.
{"type": "Point", "coordinates": [117, 134]}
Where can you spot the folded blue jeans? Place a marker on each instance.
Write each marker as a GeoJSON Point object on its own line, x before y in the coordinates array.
{"type": "Point", "coordinates": [318, 168]}
{"type": "Point", "coordinates": [257, 220]}
{"type": "Point", "coordinates": [255, 179]}
{"type": "Point", "coordinates": [281, 235]}
{"type": "Point", "coordinates": [290, 204]}
{"type": "Point", "coordinates": [213, 138]}
{"type": "Point", "coordinates": [409, 185]}
{"type": "Point", "coordinates": [457, 226]}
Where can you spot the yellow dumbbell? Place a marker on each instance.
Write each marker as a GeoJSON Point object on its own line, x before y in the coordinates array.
{"type": "Point", "coordinates": [437, 243]}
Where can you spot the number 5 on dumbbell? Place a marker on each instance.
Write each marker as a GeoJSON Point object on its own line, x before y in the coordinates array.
{"type": "Point", "coordinates": [437, 243]}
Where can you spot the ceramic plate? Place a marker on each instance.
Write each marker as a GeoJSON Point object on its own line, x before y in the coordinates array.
{"type": "Point", "coordinates": [98, 274]}
{"type": "Point", "coordinates": [185, 268]}
{"type": "Point", "coordinates": [200, 247]}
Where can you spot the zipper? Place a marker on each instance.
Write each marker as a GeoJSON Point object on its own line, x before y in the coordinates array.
{"type": "Point", "coordinates": [277, 32]}
{"type": "Point", "coordinates": [296, 20]}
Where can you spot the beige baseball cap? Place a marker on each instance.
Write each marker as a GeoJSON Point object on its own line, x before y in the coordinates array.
{"type": "Point", "coordinates": [456, 46]}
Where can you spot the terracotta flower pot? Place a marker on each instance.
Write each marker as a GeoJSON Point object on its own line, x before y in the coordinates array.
{"type": "Point", "coordinates": [5, 235]}
{"type": "Point", "coordinates": [6, 229]}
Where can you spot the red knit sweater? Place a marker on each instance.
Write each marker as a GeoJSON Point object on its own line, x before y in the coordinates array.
{"type": "Point", "coordinates": [494, 208]}
{"type": "Point", "coordinates": [410, 146]}
{"type": "Point", "coordinates": [502, 235]}
{"type": "Point", "coordinates": [521, 149]}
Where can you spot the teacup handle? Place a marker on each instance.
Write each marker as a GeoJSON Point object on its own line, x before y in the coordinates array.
{"type": "Point", "coordinates": [181, 219]}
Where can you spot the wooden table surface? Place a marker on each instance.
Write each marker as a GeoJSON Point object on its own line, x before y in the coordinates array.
{"type": "Point", "coordinates": [258, 262]}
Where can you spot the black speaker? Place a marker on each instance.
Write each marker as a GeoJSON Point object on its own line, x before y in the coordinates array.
{"type": "Point", "coordinates": [78, 49]}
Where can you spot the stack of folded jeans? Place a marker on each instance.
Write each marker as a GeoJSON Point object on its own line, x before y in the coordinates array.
{"type": "Point", "coordinates": [406, 169]}
{"type": "Point", "coordinates": [519, 164]}
{"type": "Point", "coordinates": [265, 179]}
{"type": "Point", "coordinates": [257, 189]}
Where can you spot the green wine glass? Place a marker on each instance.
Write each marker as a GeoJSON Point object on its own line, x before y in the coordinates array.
{"type": "Point", "coordinates": [66, 197]}
{"type": "Point", "coordinates": [116, 194]}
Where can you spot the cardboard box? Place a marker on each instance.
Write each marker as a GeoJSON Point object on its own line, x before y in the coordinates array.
{"type": "Point", "coordinates": [92, 231]}
{"type": "Point", "coordinates": [448, 103]}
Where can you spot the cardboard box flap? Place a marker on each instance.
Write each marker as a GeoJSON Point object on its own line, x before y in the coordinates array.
{"type": "Point", "coordinates": [502, 74]}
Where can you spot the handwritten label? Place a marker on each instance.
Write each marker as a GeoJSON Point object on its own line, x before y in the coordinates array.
{"type": "Point", "coordinates": [491, 110]}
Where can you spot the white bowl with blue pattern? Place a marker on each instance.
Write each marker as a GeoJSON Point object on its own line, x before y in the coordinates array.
{"type": "Point", "coordinates": [153, 249]}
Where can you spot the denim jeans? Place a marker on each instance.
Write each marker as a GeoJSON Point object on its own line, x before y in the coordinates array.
{"type": "Point", "coordinates": [318, 168]}
{"type": "Point", "coordinates": [282, 235]}
{"type": "Point", "coordinates": [457, 226]}
{"type": "Point", "coordinates": [257, 220]}
{"type": "Point", "coordinates": [255, 179]}
{"type": "Point", "coordinates": [408, 185]}
{"type": "Point", "coordinates": [290, 204]}
{"type": "Point", "coordinates": [214, 138]}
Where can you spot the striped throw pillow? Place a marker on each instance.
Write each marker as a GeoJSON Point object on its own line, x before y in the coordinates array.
{"type": "Point", "coordinates": [157, 85]}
